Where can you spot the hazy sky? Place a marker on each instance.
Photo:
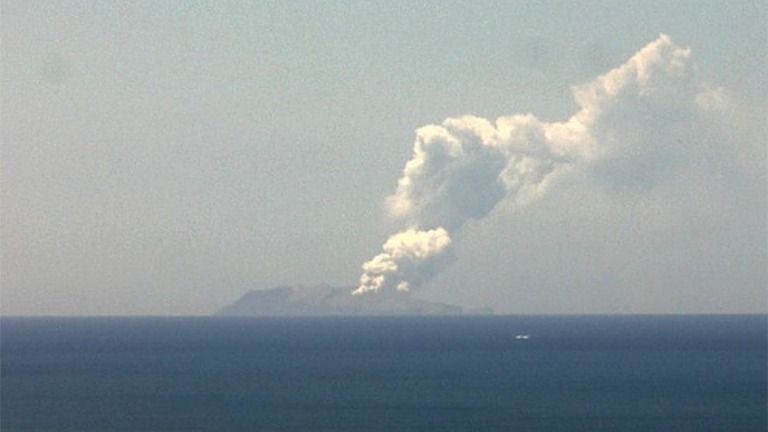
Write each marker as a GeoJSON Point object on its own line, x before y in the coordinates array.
{"type": "Point", "coordinates": [164, 157]}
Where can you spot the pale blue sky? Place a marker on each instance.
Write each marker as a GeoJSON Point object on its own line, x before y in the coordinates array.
{"type": "Point", "coordinates": [164, 157]}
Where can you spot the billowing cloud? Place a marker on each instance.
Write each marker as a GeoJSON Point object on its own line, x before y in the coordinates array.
{"type": "Point", "coordinates": [410, 258]}
{"type": "Point", "coordinates": [635, 125]}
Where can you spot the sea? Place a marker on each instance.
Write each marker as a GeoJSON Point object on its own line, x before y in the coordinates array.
{"type": "Point", "coordinates": [458, 373]}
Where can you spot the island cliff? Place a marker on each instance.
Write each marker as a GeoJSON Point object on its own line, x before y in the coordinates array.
{"type": "Point", "coordinates": [326, 300]}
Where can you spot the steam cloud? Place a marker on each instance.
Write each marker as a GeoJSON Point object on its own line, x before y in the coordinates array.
{"type": "Point", "coordinates": [630, 131]}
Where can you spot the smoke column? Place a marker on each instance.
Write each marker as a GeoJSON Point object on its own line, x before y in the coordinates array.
{"type": "Point", "coordinates": [628, 131]}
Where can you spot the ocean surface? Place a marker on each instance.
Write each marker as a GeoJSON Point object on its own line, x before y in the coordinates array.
{"type": "Point", "coordinates": [492, 373]}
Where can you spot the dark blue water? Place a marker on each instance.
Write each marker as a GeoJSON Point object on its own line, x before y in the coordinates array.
{"type": "Point", "coordinates": [622, 373]}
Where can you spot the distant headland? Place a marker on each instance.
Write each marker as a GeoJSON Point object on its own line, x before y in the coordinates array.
{"type": "Point", "coordinates": [326, 300]}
